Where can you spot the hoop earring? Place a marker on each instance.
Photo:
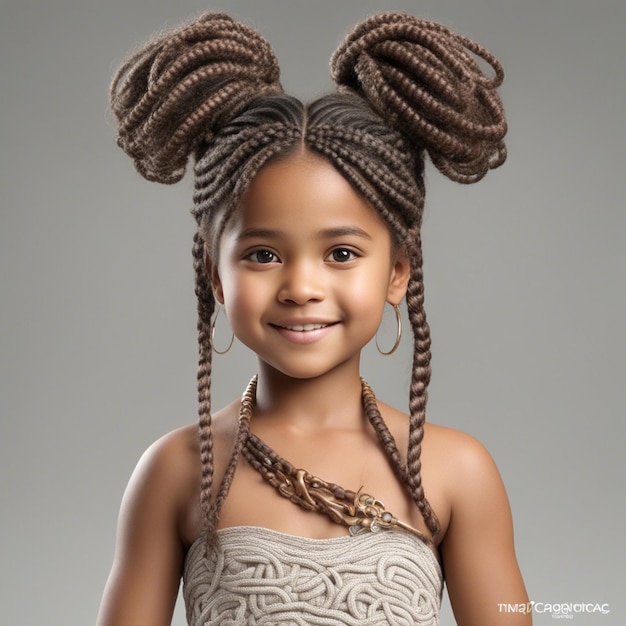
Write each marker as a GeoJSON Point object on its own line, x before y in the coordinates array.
{"type": "Point", "coordinates": [213, 323]}
{"type": "Point", "coordinates": [396, 310]}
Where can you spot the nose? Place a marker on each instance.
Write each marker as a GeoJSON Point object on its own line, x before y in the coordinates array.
{"type": "Point", "coordinates": [302, 282]}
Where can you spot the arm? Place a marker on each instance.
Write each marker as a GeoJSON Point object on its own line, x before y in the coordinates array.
{"type": "Point", "coordinates": [477, 550]}
{"type": "Point", "coordinates": [144, 580]}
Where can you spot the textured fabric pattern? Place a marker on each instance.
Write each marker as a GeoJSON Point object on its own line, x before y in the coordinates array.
{"type": "Point", "coordinates": [260, 576]}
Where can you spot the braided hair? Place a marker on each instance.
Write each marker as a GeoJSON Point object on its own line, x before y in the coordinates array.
{"type": "Point", "coordinates": [406, 87]}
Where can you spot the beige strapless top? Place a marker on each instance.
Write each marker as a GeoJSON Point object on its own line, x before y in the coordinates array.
{"type": "Point", "coordinates": [261, 576]}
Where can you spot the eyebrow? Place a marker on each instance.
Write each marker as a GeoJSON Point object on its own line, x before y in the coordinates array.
{"type": "Point", "coordinates": [326, 233]}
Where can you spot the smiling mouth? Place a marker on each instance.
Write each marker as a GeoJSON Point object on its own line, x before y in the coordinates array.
{"type": "Point", "coordinates": [302, 328]}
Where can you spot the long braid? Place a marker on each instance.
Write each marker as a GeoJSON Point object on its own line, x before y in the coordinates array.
{"type": "Point", "coordinates": [406, 87]}
{"type": "Point", "coordinates": [242, 434]}
{"type": "Point", "coordinates": [206, 306]}
{"type": "Point", "coordinates": [384, 434]}
{"type": "Point", "coordinates": [420, 377]}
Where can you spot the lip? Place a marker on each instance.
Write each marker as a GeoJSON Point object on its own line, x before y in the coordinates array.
{"type": "Point", "coordinates": [303, 331]}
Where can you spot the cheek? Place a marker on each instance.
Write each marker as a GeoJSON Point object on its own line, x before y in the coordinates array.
{"type": "Point", "coordinates": [243, 298]}
{"type": "Point", "coordinates": [366, 293]}
{"type": "Point", "coordinates": [373, 281]}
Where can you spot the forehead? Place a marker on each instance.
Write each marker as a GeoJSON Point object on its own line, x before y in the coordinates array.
{"type": "Point", "coordinates": [304, 190]}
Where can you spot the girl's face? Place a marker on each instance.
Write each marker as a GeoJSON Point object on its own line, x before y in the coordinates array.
{"type": "Point", "coordinates": [305, 268]}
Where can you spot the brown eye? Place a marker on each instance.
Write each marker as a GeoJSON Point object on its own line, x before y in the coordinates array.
{"type": "Point", "coordinates": [342, 255]}
{"type": "Point", "coordinates": [262, 256]}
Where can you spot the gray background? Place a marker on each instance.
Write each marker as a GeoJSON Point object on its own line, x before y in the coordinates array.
{"type": "Point", "coordinates": [524, 279]}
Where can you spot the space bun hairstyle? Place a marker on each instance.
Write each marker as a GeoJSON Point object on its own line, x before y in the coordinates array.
{"type": "Point", "coordinates": [426, 81]}
{"type": "Point", "coordinates": [172, 95]}
{"type": "Point", "coordinates": [209, 91]}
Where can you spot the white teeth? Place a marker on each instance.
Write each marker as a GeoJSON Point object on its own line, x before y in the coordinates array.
{"type": "Point", "coordinates": [304, 327]}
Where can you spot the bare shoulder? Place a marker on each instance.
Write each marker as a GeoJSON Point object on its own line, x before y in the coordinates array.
{"type": "Point", "coordinates": [163, 483]}
{"type": "Point", "coordinates": [463, 470]}
{"type": "Point", "coordinates": [149, 551]}
{"type": "Point", "coordinates": [173, 453]}
{"type": "Point", "coordinates": [457, 451]}
{"type": "Point", "coordinates": [173, 460]}
{"type": "Point", "coordinates": [173, 464]}
{"type": "Point", "coordinates": [446, 452]}
{"type": "Point", "coordinates": [458, 472]}
{"type": "Point", "coordinates": [166, 466]}
{"type": "Point", "coordinates": [477, 544]}
{"type": "Point", "coordinates": [159, 518]}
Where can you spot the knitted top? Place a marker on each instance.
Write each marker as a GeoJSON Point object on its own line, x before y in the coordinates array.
{"type": "Point", "coordinates": [261, 576]}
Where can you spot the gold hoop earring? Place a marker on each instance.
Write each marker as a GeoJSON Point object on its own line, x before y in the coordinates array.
{"type": "Point", "coordinates": [213, 323]}
{"type": "Point", "coordinates": [396, 310]}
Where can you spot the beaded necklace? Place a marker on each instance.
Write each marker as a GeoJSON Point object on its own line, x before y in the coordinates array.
{"type": "Point", "coordinates": [359, 511]}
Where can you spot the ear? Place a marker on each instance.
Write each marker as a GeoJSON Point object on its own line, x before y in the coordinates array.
{"type": "Point", "coordinates": [214, 277]}
{"type": "Point", "coordinates": [399, 278]}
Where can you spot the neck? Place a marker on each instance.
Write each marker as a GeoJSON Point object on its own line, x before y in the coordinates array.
{"type": "Point", "coordinates": [330, 401]}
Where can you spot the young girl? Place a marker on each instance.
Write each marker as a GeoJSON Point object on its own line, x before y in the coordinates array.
{"type": "Point", "coordinates": [309, 501]}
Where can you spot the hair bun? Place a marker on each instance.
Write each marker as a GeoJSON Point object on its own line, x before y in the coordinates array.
{"type": "Point", "coordinates": [422, 78]}
{"type": "Point", "coordinates": [178, 90]}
